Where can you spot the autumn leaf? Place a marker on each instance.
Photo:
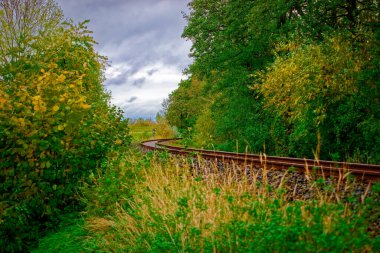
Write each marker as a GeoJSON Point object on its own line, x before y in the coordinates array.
{"type": "Point", "coordinates": [85, 106]}
{"type": "Point", "coordinates": [61, 78]}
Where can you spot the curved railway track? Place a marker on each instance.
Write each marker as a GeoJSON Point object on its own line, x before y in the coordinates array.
{"type": "Point", "coordinates": [367, 171]}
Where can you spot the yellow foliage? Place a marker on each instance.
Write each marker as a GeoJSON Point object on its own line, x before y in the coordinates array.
{"type": "Point", "coordinates": [310, 78]}
{"type": "Point", "coordinates": [61, 78]}
{"type": "Point", "coordinates": [85, 106]}
{"type": "Point", "coordinates": [55, 108]}
{"type": "Point", "coordinates": [204, 129]}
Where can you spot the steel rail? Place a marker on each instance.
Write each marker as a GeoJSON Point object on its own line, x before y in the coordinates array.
{"type": "Point", "coordinates": [371, 171]}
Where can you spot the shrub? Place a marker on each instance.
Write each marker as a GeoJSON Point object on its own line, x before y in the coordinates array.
{"type": "Point", "coordinates": [56, 127]}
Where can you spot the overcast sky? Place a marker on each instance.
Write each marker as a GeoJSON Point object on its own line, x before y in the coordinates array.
{"type": "Point", "coordinates": [142, 40]}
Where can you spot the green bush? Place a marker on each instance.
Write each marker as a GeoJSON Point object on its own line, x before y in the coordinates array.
{"type": "Point", "coordinates": [56, 128]}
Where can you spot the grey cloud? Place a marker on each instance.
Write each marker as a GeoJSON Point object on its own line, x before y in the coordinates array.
{"type": "Point", "coordinates": [115, 21]}
{"type": "Point", "coordinates": [152, 71]}
{"type": "Point", "coordinates": [137, 110]}
{"type": "Point", "coordinates": [119, 80]}
{"type": "Point", "coordinates": [132, 99]}
{"type": "Point", "coordinates": [139, 82]}
{"type": "Point", "coordinates": [134, 31]}
{"type": "Point", "coordinates": [136, 34]}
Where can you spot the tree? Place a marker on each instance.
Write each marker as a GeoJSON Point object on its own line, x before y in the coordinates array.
{"type": "Point", "coordinates": [185, 104]}
{"type": "Point", "coordinates": [233, 41]}
{"type": "Point", "coordinates": [164, 108]}
{"type": "Point", "coordinates": [21, 21]}
{"type": "Point", "coordinates": [230, 40]}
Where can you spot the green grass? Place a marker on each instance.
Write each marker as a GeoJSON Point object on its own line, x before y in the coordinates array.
{"type": "Point", "coordinates": [142, 133]}
{"type": "Point", "coordinates": [141, 130]}
{"type": "Point", "coordinates": [70, 239]}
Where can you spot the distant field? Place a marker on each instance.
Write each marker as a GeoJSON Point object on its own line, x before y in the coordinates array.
{"type": "Point", "coordinates": [146, 129]}
{"type": "Point", "coordinates": [141, 132]}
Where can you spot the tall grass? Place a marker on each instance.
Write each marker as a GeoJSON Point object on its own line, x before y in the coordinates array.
{"type": "Point", "coordinates": [179, 206]}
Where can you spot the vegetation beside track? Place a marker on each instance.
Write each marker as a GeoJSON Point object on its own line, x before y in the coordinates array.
{"type": "Point", "coordinates": [158, 203]}
{"type": "Point", "coordinates": [154, 202]}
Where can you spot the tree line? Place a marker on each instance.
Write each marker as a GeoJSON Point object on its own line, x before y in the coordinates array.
{"type": "Point", "coordinates": [296, 78]}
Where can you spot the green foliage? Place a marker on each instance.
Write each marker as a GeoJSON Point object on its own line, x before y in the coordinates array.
{"type": "Point", "coordinates": [230, 39]}
{"type": "Point", "coordinates": [185, 104]}
{"type": "Point", "coordinates": [316, 64]}
{"type": "Point", "coordinates": [56, 124]}
{"type": "Point", "coordinates": [69, 236]}
{"type": "Point", "coordinates": [113, 184]}
{"type": "Point", "coordinates": [243, 124]}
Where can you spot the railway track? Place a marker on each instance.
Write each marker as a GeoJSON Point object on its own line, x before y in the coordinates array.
{"type": "Point", "coordinates": [327, 168]}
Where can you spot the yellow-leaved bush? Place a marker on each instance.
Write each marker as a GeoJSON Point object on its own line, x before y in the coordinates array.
{"type": "Point", "coordinates": [56, 128]}
{"type": "Point", "coordinates": [311, 78]}
{"type": "Point", "coordinates": [327, 96]}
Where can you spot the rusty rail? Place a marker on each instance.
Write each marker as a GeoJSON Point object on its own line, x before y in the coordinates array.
{"type": "Point", "coordinates": [368, 171]}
